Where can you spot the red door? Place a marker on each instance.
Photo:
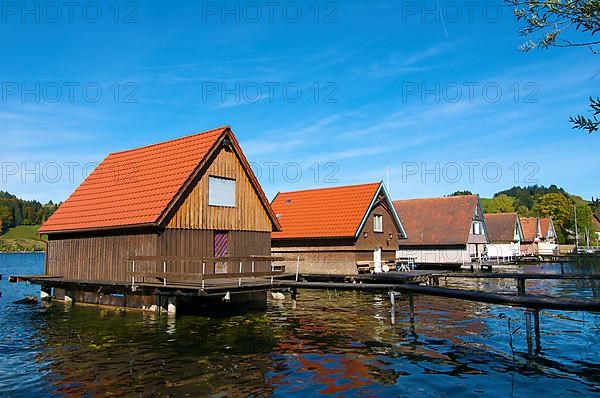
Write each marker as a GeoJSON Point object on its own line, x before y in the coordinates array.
{"type": "Point", "coordinates": [221, 243]}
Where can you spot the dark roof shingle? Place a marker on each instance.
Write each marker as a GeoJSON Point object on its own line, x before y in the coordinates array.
{"type": "Point", "coordinates": [437, 221]}
{"type": "Point", "coordinates": [501, 227]}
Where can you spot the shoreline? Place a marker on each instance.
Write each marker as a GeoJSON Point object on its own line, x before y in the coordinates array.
{"type": "Point", "coordinates": [23, 252]}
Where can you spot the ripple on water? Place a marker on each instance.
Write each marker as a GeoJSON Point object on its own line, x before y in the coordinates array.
{"type": "Point", "coordinates": [333, 343]}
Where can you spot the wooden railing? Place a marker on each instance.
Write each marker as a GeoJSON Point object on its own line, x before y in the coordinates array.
{"type": "Point", "coordinates": [160, 267]}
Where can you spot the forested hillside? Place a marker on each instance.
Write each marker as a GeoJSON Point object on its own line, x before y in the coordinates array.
{"type": "Point", "coordinates": [552, 201]}
{"type": "Point", "coordinates": [15, 211]}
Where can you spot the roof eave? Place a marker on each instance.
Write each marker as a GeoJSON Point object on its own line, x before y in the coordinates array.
{"type": "Point", "coordinates": [98, 229]}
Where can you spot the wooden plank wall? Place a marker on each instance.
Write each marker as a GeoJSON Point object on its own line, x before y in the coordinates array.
{"type": "Point", "coordinates": [248, 215]}
{"type": "Point", "coordinates": [199, 244]}
{"type": "Point", "coordinates": [98, 257]}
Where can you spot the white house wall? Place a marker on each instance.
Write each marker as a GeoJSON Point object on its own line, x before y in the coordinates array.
{"type": "Point", "coordinates": [436, 256]}
{"type": "Point", "coordinates": [503, 250]}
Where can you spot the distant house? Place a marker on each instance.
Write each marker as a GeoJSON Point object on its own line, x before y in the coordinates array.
{"type": "Point", "coordinates": [188, 199]}
{"type": "Point", "coordinates": [449, 230]}
{"type": "Point", "coordinates": [531, 235]}
{"type": "Point", "coordinates": [547, 244]}
{"type": "Point", "coordinates": [539, 236]}
{"type": "Point", "coordinates": [596, 224]}
{"type": "Point", "coordinates": [505, 234]}
{"type": "Point", "coordinates": [335, 229]}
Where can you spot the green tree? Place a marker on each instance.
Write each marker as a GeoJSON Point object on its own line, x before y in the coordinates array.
{"type": "Point", "coordinates": [461, 193]}
{"type": "Point", "coordinates": [499, 204]}
{"type": "Point", "coordinates": [584, 218]}
{"type": "Point", "coordinates": [562, 23]}
{"type": "Point", "coordinates": [557, 206]}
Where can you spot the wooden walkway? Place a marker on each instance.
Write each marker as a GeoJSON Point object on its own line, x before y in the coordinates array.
{"type": "Point", "coordinates": [515, 275]}
{"type": "Point", "coordinates": [528, 301]}
{"type": "Point", "coordinates": [391, 282]}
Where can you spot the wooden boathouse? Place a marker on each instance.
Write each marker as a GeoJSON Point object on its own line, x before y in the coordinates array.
{"type": "Point", "coordinates": [442, 232]}
{"type": "Point", "coordinates": [539, 237]}
{"type": "Point", "coordinates": [337, 230]}
{"type": "Point", "coordinates": [181, 207]}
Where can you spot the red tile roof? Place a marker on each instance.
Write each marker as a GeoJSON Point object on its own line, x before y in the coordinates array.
{"type": "Point", "coordinates": [136, 187]}
{"type": "Point", "coordinates": [530, 228]}
{"type": "Point", "coordinates": [324, 212]}
{"type": "Point", "coordinates": [545, 225]}
{"type": "Point", "coordinates": [437, 221]}
{"type": "Point", "coordinates": [501, 227]}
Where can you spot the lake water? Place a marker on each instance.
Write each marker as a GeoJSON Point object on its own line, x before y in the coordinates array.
{"type": "Point", "coordinates": [336, 344]}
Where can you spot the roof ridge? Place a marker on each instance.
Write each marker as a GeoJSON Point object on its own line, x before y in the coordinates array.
{"type": "Point", "coordinates": [436, 197]}
{"type": "Point", "coordinates": [330, 188]}
{"type": "Point", "coordinates": [171, 140]}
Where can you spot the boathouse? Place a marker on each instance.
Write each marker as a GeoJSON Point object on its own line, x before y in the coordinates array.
{"type": "Point", "coordinates": [337, 230]}
{"type": "Point", "coordinates": [547, 245]}
{"type": "Point", "coordinates": [448, 231]}
{"type": "Point", "coordinates": [531, 235]}
{"type": "Point", "coordinates": [539, 237]}
{"type": "Point", "coordinates": [505, 235]}
{"type": "Point", "coordinates": [173, 207]}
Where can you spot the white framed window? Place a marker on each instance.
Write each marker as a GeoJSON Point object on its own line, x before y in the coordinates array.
{"type": "Point", "coordinates": [221, 192]}
{"type": "Point", "coordinates": [378, 223]}
{"type": "Point", "coordinates": [477, 228]}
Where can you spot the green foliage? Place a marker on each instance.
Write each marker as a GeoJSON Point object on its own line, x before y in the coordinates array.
{"type": "Point", "coordinates": [15, 211]}
{"type": "Point", "coordinates": [499, 204]}
{"type": "Point", "coordinates": [540, 201]}
{"type": "Point", "coordinates": [22, 239]}
{"type": "Point", "coordinates": [562, 23]}
{"type": "Point", "coordinates": [528, 196]}
{"type": "Point", "coordinates": [559, 23]}
{"type": "Point", "coordinates": [461, 193]}
{"type": "Point", "coordinates": [22, 232]}
{"type": "Point", "coordinates": [592, 124]}
{"type": "Point", "coordinates": [557, 206]}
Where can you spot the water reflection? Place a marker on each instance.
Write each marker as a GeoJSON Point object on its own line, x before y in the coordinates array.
{"type": "Point", "coordinates": [338, 344]}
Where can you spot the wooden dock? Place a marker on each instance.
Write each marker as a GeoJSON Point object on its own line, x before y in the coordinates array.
{"type": "Point", "coordinates": [528, 301]}
{"type": "Point", "coordinates": [401, 282]}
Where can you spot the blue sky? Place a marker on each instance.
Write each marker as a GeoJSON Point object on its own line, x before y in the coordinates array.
{"type": "Point", "coordinates": [319, 93]}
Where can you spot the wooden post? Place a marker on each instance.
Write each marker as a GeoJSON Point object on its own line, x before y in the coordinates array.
{"type": "Point", "coordinates": [528, 331]}
{"type": "Point", "coordinates": [536, 325]}
{"type": "Point", "coordinates": [294, 297]}
{"type": "Point", "coordinates": [203, 272]}
{"type": "Point", "coordinates": [412, 307]}
{"type": "Point", "coordinates": [297, 267]}
{"type": "Point", "coordinates": [240, 279]}
{"type": "Point", "coordinates": [252, 266]}
{"type": "Point", "coordinates": [521, 286]}
{"type": "Point", "coordinates": [393, 309]}
{"type": "Point", "coordinates": [165, 272]}
{"type": "Point", "coordinates": [133, 270]}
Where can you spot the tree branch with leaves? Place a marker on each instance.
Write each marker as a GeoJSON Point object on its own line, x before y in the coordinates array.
{"type": "Point", "coordinates": [562, 23]}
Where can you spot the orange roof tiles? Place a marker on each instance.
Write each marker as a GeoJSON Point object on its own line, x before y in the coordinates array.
{"type": "Point", "coordinates": [545, 226]}
{"type": "Point", "coordinates": [437, 221]}
{"type": "Point", "coordinates": [530, 228]}
{"type": "Point", "coordinates": [501, 226]}
{"type": "Point", "coordinates": [324, 212]}
{"type": "Point", "coordinates": [135, 187]}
